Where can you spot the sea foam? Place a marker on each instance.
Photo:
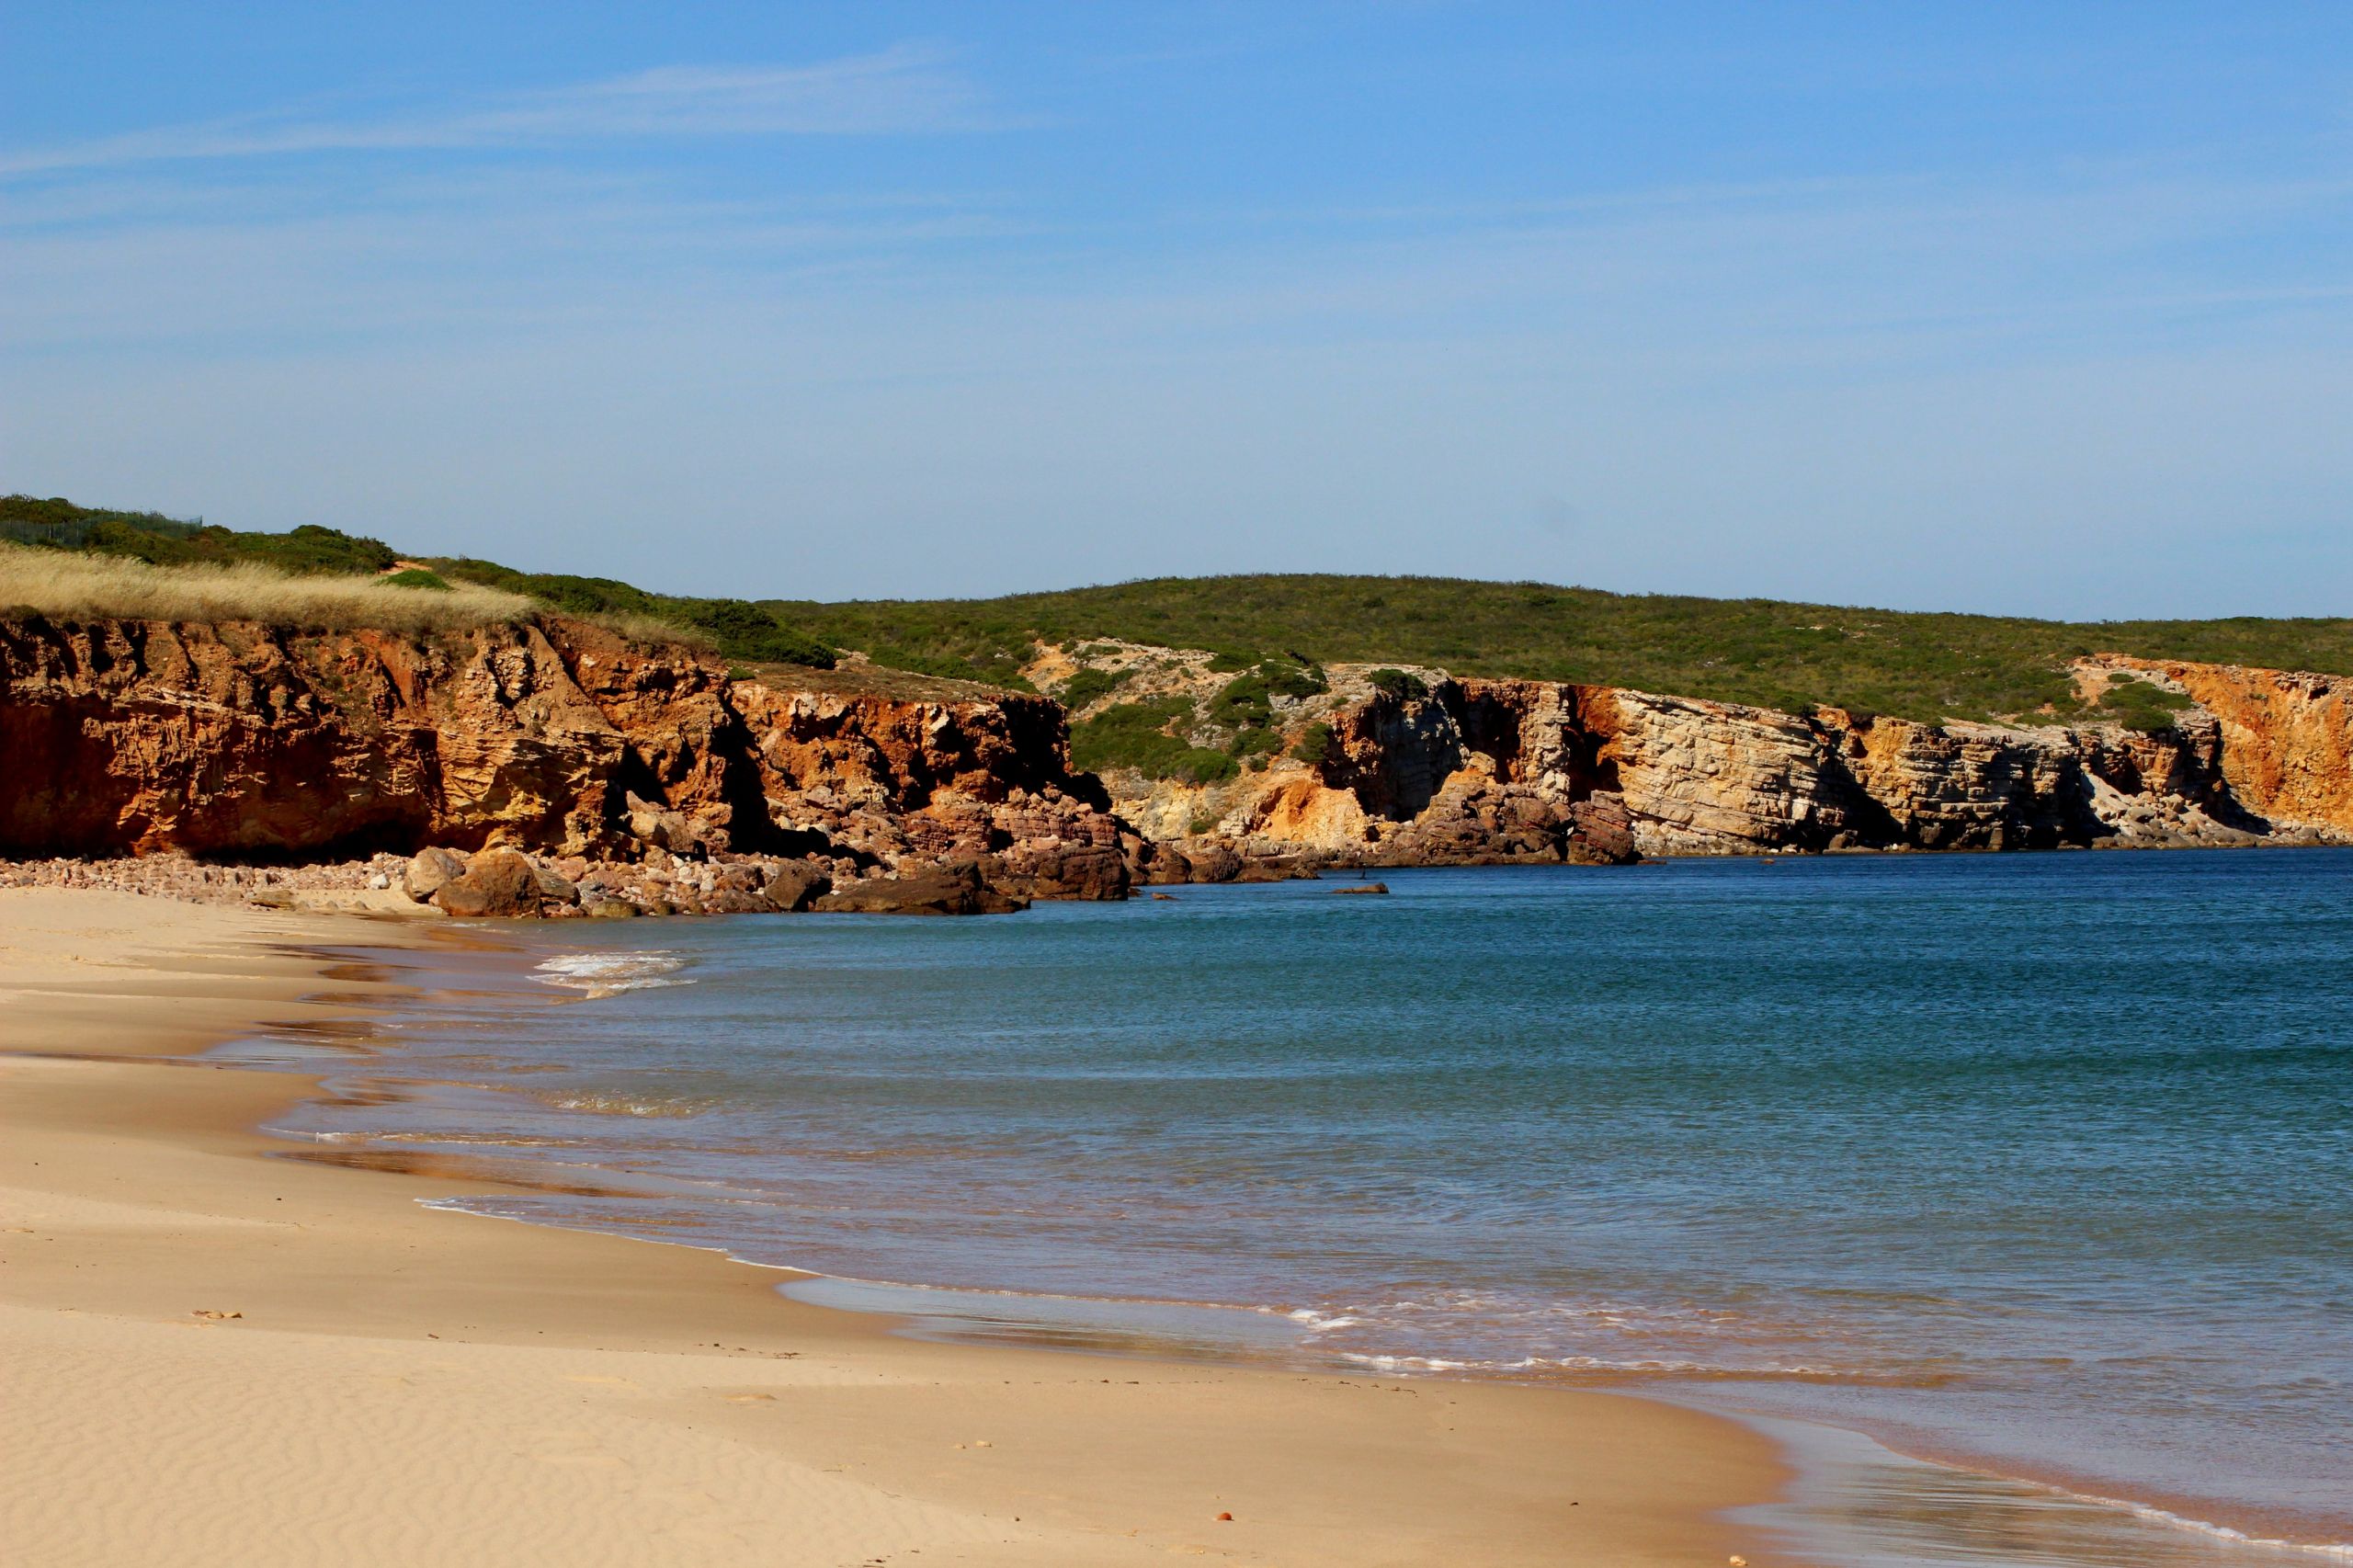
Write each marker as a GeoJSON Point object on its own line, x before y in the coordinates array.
{"type": "Point", "coordinates": [604, 974]}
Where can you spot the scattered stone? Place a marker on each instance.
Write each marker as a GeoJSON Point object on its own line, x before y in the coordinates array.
{"type": "Point", "coordinates": [665, 829]}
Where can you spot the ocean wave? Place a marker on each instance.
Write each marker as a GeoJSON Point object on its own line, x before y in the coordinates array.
{"type": "Point", "coordinates": [2338, 1552]}
{"type": "Point", "coordinates": [606, 974]}
{"type": "Point", "coordinates": [1318, 1322]}
{"type": "Point", "coordinates": [1394, 1363]}
{"type": "Point", "coordinates": [599, 1103]}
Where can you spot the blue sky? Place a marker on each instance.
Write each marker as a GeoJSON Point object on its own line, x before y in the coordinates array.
{"type": "Point", "coordinates": [2031, 309]}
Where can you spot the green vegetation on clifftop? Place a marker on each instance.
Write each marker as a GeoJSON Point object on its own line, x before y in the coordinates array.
{"type": "Point", "coordinates": [1272, 632]}
{"type": "Point", "coordinates": [1928, 666]}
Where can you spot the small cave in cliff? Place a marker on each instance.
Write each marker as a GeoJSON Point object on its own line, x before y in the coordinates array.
{"type": "Point", "coordinates": [1489, 727]}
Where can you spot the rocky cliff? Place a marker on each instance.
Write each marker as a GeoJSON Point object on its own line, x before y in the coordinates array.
{"type": "Point", "coordinates": [242, 741]}
{"type": "Point", "coordinates": [1437, 770]}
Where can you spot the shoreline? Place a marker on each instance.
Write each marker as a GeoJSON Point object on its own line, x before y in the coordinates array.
{"type": "Point", "coordinates": [218, 1356]}
{"type": "Point", "coordinates": [1902, 1439]}
{"type": "Point", "coordinates": [909, 1304]}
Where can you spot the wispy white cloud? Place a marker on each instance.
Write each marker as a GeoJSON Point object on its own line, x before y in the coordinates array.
{"type": "Point", "coordinates": [906, 89]}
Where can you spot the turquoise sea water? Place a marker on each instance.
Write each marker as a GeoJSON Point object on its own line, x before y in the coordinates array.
{"type": "Point", "coordinates": [2040, 1163]}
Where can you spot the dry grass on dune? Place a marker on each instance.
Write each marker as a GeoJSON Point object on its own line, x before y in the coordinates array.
{"type": "Point", "coordinates": [72, 586]}
{"type": "Point", "coordinates": [649, 630]}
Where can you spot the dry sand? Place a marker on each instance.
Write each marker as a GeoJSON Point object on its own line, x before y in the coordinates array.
{"type": "Point", "coordinates": [395, 1384]}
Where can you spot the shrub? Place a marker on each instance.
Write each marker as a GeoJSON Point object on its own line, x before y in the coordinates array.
{"type": "Point", "coordinates": [1135, 734]}
{"type": "Point", "coordinates": [1301, 680]}
{"type": "Point", "coordinates": [1398, 686]}
{"type": "Point", "coordinates": [1089, 685]}
{"type": "Point", "coordinates": [744, 630]}
{"type": "Point", "coordinates": [1315, 743]}
{"type": "Point", "coordinates": [415, 578]}
{"type": "Point", "coordinates": [557, 590]}
{"type": "Point", "coordinates": [304, 551]}
{"type": "Point", "coordinates": [1243, 703]}
{"type": "Point", "coordinates": [2141, 705]}
{"type": "Point", "coordinates": [1248, 700]}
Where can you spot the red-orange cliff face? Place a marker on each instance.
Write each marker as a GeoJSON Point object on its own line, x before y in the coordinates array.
{"type": "Point", "coordinates": [140, 736]}
{"type": "Point", "coordinates": [2285, 739]}
{"type": "Point", "coordinates": [238, 740]}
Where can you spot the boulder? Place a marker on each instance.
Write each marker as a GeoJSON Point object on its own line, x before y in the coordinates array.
{"type": "Point", "coordinates": [554, 887]}
{"type": "Point", "coordinates": [1064, 871]}
{"type": "Point", "coordinates": [1376, 889]}
{"type": "Point", "coordinates": [1277, 869]}
{"type": "Point", "coordinates": [1209, 862]}
{"type": "Point", "coordinates": [663, 828]}
{"type": "Point", "coordinates": [1601, 832]}
{"type": "Point", "coordinates": [613, 909]}
{"type": "Point", "coordinates": [431, 870]}
{"type": "Point", "coordinates": [1160, 865]}
{"type": "Point", "coordinates": [795, 885]}
{"type": "Point", "coordinates": [497, 884]}
{"type": "Point", "coordinates": [956, 888]}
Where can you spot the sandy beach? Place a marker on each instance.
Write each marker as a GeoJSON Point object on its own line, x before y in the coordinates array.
{"type": "Point", "coordinates": [213, 1356]}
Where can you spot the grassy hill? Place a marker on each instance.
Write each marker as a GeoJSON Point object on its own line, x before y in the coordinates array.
{"type": "Point", "coordinates": [1783, 656]}
{"type": "Point", "coordinates": [296, 560]}
{"type": "Point", "coordinates": [1759, 651]}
